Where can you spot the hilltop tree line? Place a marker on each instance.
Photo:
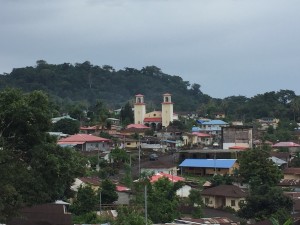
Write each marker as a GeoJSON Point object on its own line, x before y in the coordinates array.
{"type": "Point", "coordinates": [82, 86]}
{"type": "Point", "coordinates": [84, 82]}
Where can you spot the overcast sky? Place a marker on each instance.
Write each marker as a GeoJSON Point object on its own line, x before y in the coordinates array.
{"type": "Point", "coordinates": [229, 47]}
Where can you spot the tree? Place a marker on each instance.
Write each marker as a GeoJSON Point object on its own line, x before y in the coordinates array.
{"type": "Point", "coordinates": [126, 114]}
{"type": "Point", "coordinates": [67, 126]}
{"type": "Point", "coordinates": [295, 105]}
{"type": "Point", "coordinates": [265, 199]}
{"type": "Point", "coordinates": [196, 202]}
{"type": "Point", "coordinates": [33, 168]}
{"type": "Point", "coordinates": [163, 202]}
{"type": "Point", "coordinates": [257, 169]}
{"type": "Point", "coordinates": [130, 216]}
{"type": "Point", "coordinates": [264, 202]}
{"type": "Point", "coordinates": [85, 201]}
{"type": "Point", "coordinates": [108, 192]}
{"type": "Point", "coordinates": [221, 179]}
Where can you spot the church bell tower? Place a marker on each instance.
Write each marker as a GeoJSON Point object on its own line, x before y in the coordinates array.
{"type": "Point", "coordinates": [167, 110]}
{"type": "Point", "coordinates": [139, 109]}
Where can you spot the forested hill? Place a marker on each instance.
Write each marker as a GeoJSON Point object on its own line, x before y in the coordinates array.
{"type": "Point", "coordinates": [88, 83]}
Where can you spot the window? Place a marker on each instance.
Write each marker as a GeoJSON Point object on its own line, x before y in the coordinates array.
{"type": "Point", "coordinates": [128, 143]}
{"type": "Point", "coordinates": [154, 114]}
{"type": "Point", "coordinates": [232, 202]}
{"type": "Point", "coordinates": [242, 202]}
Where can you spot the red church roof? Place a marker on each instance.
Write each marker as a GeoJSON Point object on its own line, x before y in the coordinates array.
{"type": "Point", "coordinates": [157, 119]}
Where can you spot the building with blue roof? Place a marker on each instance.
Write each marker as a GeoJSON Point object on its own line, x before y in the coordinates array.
{"type": "Point", "coordinates": [209, 166]}
{"type": "Point", "coordinates": [212, 127]}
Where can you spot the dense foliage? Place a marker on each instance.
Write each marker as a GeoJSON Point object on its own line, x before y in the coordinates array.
{"type": "Point", "coordinates": [265, 199]}
{"type": "Point", "coordinates": [33, 169]}
{"type": "Point", "coordinates": [66, 126]}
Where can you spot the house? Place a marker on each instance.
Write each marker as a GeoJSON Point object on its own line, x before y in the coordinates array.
{"type": "Point", "coordinates": [212, 127]}
{"type": "Point", "coordinates": [94, 182]}
{"type": "Point", "coordinates": [157, 166]}
{"type": "Point", "coordinates": [291, 173]}
{"type": "Point", "coordinates": [205, 167]}
{"type": "Point", "coordinates": [237, 136]}
{"type": "Point", "coordinates": [219, 115]}
{"type": "Point", "coordinates": [285, 156]}
{"type": "Point", "coordinates": [133, 129]}
{"type": "Point", "coordinates": [97, 129]}
{"type": "Point", "coordinates": [46, 214]}
{"type": "Point", "coordinates": [292, 184]}
{"type": "Point", "coordinates": [278, 162]}
{"type": "Point", "coordinates": [202, 138]}
{"type": "Point", "coordinates": [266, 122]}
{"type": "Point", "coordinates": [209, 154]}
{"type": "Point", "coordinates": [291, 146]}
{"type": "Point", "coordinates": [184, 191]}
{"type": "Point", "coordinates": [151, 143]}
{"type": "Point", "coordinates": [131, 143]}
{"type": "Point", "coordinates": [86, 143]}
{"type": "Point", "coordinates": [124, 195]}
{"type": "Point", "coordinates": [224, 196]}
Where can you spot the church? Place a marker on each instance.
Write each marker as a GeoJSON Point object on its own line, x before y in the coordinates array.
{"type": "Point", "coordinates": [156, 119]}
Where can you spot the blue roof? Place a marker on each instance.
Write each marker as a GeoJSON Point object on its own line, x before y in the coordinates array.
{"type": "Point", "coordinates": [195, 129]}
{"type": "Point", "coordinates": [208, 163]}
{"type": "Point", "coordinates": [215, 122]}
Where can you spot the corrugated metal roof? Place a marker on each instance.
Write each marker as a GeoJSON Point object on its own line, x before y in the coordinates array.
{"type": "Point", "coordinates": [79, 138]}
{"type": "Point", "coordinates": [208, 163]}
{"type": "Point", "coordinates": [214, 122]}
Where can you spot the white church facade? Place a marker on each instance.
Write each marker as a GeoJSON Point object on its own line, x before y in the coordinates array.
{"type": "Point", "coordinates": [155, 119]}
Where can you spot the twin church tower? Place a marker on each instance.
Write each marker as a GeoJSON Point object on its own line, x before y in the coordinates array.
{"type": "Point", "coordinates": [154, 119]}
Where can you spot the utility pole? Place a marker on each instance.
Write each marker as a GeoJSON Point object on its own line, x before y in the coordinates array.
{"type": "Point", "coordinates": [139, 156]}
{"type": "Point", "coordinates": [100, 201]}
{"type": "Point", "coordinates": [146, 210]}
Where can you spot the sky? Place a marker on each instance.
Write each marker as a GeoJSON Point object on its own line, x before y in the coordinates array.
{"type": "Point", "coordinates": [229, 47]}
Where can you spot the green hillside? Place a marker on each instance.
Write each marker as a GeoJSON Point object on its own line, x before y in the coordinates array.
{"type": "Point", "coordinates": [88, 83]}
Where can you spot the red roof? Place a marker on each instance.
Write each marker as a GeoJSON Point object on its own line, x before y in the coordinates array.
{"type": "Point", "coordinates": [137, 126]}
{"type": "Point", "coordinates": [201, 134]}
{"type": "Point", "coordinates": [122, 188]}
{"type": "Point", "coordinates": [171, 177]}
{"type": "Point", "coordinates": [157, 119]}
{"type": "Point", "coordinates": [286, 144]}
{"type": "Point", "coordinates": [82, 138]}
